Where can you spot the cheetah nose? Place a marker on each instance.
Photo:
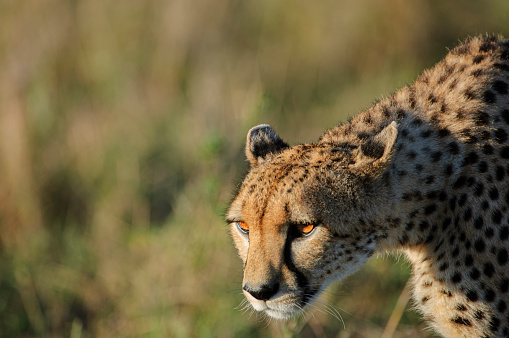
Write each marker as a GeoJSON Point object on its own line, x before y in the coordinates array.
{"type": "Point", "coordinates": [263, 292]}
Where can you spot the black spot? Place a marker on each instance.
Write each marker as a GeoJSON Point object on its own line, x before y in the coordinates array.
{"type": "Point", "coordinates": [475, 274]}
{"type": "Point", "coordinates": [500, 135]}
{"type": "Point", "coordinates": [488, 269]}
{"type": "Point", "coordinates": [478, 189]}
{"type": "Point", "coordinates": [467, 133]}
{"type": "Point", "coordinates": [503, 285]}
{"type": "Point", "coordinates": [469, 260]}
{"type": "Point", "coordinates": [446, 223]}
{"type": "Point", "coordinates": [436, 156]}
{"type": "Point", "coordinates": [500, 173]}
{"type": "Point", "coordinates": [471, 158]}
{"type": "Point", "coordinates": [386, 113]}
{"type": "Point", "coordinates": [468, 244]}
{"type": "Point", "coordinates": [443, 132]}
{"type": "Point", "coordinates": [400, 113]}
{"type": "Point", "coordinates": [504, 233]}
{"type": "Point", "coordinates": [452, 203]}
{"type": "Point", "coordinates": [460, 182]}
{"type": "Point", "coordinates": [424, 299]}
{"type": "Point", "coordinates": [494, 324]}
{"type": "Point", "coordinates": [411, 155]}
{"type": "Point", "coordinates": [489, 97]}
{"type": "Point", "coordinates": [423, 225]}
{"type": "Point", "coordinates": [426, 133]}
{"type": "Point", "coordinates": [501, 66]}
{"type": "Point", "coordinates": [504, 153]}
{"type": "Point", "coordinates": [505, 115]}
{"type": "Point", "coordinates": [477, 72]}
{"type": "Point", "coordinates": [479, 245]}
{"type": "Point", "coordinates": [429, 179]}
{"type": "Point", "coordinates": [446, 292]}
{"type": "Point", "coordinates": [500, 86]}
{"type": "Point", "coordinates": [478, 222]}
{"type": "Point", "coordinates": [479, 315]}
{"type": "Point", "coordinates": [462, 237]}
{"type": "Point", "coordinates": [502, 256]}
{"type": "Point", "coordinates": [489, 233]}
{"type": "Point", "coordinates": [430, 209]}
{"type": "Point", "coordinates": [472, 295]}
{"type": "Point", "coordinates": [493, 193]}
{"type": "Point", "coordinates": [469, 94]}
{"type": "Point", "coordinates": [442, 196]}
{"type": "Point", "coordinates": [455, 252]}
{"type": "Point", "coordinates": [461, 307]}
{"type": "Point", "coordinates": [461, 321]}
{"type": "Point", "coordinates": [448, 170]}
{"type": "Point", "coordinates": [456, 278]}
{"type": "Point", "coordinates": [481, 118]}
{"type": "Point", "coordinates": [505, 54]}
{"type": "Point", "coordinates": [487, 45]}
{"type": "Point", "coordinates": [478, 59]}
{"type": "Point", "coordinates": [489, 295]}
{"type": "Point", "coordinates": [402, 173]}
{"type": "Point", "coordinates": [454, 148]}
{"type": "Point", "coordinates": [483, 167]}
{"type": "Point", "coordinates": [501, 306]}
{"type": "Point", "coordinates": [487, 149]}
{"type": "Point", "coordinates": [467, 215]}
{"type": "Point", "coordinates": [432, 194]}
{"type": "Point", "coordinates": [362, 135]}
{"type": "Point", "coordinates": [496, 217]}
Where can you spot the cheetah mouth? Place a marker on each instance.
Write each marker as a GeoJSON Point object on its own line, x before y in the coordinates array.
{"type": "Point", "coordinates": [279, 311]}
{"type": "Point", "coordinates": [282, 307]}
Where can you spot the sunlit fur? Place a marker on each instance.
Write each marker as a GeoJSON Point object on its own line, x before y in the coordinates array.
{"type": "Point", "coordinates": [424, 172]}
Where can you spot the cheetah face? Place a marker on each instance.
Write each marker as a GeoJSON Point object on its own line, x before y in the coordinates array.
{"type": "Point", "coordinates": [290, 228]}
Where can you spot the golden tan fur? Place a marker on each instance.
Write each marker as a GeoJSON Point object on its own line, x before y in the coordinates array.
{"type": "Point", "coordinates": [424, 172]}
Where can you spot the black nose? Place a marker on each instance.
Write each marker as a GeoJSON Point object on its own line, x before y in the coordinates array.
{"type": "Point", "coordinates": [263, 292]}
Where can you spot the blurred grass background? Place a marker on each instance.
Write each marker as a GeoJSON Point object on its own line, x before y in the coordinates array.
{"type": "Point", "coordinates": [121, 140]}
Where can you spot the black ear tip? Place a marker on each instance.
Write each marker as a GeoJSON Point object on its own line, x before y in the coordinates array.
{"type": "Point", "coordinates": [259, 130]}
{"type": "Point", "coordinates": [262, 140]}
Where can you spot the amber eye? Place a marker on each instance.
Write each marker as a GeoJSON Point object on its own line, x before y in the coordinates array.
{"type": "Point", "coordinates": [305, 229]}
{"type": "Point", "coordinates": [243, 227]}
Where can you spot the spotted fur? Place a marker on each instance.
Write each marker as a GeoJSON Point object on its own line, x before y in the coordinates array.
{"type": "Point", "coordinates": [424, 172]}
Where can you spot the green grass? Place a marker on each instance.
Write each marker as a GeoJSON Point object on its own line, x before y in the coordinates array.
{"type": "Point", "coordinates": [121, 142]}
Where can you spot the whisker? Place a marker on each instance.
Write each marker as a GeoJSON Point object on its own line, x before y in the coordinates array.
{"type": "Point", "coordinates": [241, 305]}
{"type": "Point", "coordinates": [333, 310]}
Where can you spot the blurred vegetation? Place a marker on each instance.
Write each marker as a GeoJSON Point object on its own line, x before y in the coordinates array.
{"type": "Point", "coordinates": [121, 141]}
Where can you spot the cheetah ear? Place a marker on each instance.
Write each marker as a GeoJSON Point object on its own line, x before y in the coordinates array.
{"type": "Point", "coordinates": [378, 148]}
{"type": "Point", "coordinates": [261, 141]}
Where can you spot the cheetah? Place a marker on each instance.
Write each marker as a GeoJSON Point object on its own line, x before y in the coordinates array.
{"type": "Point", "coordinates": [424, 172]}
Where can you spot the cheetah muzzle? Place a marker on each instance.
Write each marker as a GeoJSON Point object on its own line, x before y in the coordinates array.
{"type": "Point", "coordinates": [424, 172]}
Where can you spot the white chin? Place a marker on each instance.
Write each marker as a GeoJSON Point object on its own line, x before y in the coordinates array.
{"type": "Point", "coordinates": [278, 314]}
{"type": "Point", "coordinates": [275, 311]}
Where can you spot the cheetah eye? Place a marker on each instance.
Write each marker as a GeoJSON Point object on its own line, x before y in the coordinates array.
{"type": "Point", "coordinates": [305, 229]}
{"type": "Point", "coordinates": [243, 227]}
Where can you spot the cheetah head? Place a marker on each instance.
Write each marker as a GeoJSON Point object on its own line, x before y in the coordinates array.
{"type": "Point", "coordinates": [304, 215]}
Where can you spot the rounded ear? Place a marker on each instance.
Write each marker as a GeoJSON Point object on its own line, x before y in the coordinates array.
{"type": "Point", "coordinates": [261, 141]}
{"type": "Point", "coordinates": [379, 148]}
